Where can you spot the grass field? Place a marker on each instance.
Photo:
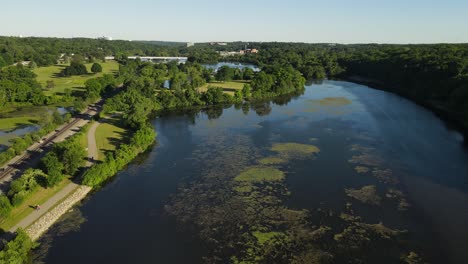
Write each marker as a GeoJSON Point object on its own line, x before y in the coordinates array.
{"type": "Point", "coordinates": [12, 123]}
{"type": "Point", "coordinates": [228, 87]}
{"type": "Point", "coordinates": [109, 135]}
{"type": "Point", "coordinates": [73, 82]}
{"type": "Point", "coordinates": [38, 197]}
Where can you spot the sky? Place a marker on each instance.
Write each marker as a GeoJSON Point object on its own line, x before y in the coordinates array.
{"type": "Point", "coordinates": [325, 21]}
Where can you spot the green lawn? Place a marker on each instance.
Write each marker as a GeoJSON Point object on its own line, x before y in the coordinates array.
{"type": "Point", "coordinates": [12, 123]}
{"type": "Point", "coordinates": [228, 87]}
{"type": "Point", "coordinates": [109, 134]}
{"type": "Point", "coordinates": [73, 82]}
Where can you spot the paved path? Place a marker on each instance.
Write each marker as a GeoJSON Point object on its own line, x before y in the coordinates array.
{"type": "Point", "coordinates": [66, 191]}
{"type": "Point", "coordinates": [28, 220]}
{"type": "Point", "coordinates": [92, 147]}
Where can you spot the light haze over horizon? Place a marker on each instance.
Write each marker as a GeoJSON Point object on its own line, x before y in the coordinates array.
{"type": "Point", "coordinates": [335, 21]}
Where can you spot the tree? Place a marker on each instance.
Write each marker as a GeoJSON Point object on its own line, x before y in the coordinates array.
{"type": "Point", "coordinates": [75, 68]}
{"type": "Point", "coordinates": [50, 84]}
{"type": "Point", "coordinates": [247, 90]}
{"type": "Point", "coordinates": [18, 250]}
{"type": "Point", "coordinates": [248, 74]}
{"type": "Point", "coordinates": [225, 74]}
{"type": "Point", "coordinates": [5, 206]}
{"type": "Point", "coordinates": [53, 167]}
{"type": "Point", "coordinates": [96, 67]}
{"type": "Point", "coordinates": [71, 154]}
{"type": "Point", "coordinates": [32, 65]}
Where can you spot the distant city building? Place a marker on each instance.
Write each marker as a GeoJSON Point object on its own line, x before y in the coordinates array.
{"type": "Point", "coordinates": [218, 43]}
{"type": "Point", "coordinates": [234, 53]}
{"type": "Point", "coordinates": [249, 51]}
{"type": "Point", "coordinates": [190, 44]}
{"type": "Point", "coordinates": [153, 59]}
{"type": "Point", "coordinates": [105, 38]}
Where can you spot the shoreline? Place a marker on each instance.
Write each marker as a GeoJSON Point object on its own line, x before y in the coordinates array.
{"type": "Point", "coordinates": [46, 221]}
{"type": "Point", "coordinates": [450, 119]}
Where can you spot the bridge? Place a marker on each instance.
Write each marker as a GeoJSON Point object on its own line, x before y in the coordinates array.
{"type": "Point", "coordinates": [154, 59]}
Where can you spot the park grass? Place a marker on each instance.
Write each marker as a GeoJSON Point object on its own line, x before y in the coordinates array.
{"type": "Point", "coordinates": [228, 87]}
{"type": "Point", "coordinates": [40, 196]}
{"type": "Point", "coordinates": [260, 174]}
{"type": "Point", "coordinates": [109, 134]}
{"type": "Point", "coordinates": [12, 123]}
{"type": "Point", "coordinates": [73, 82]}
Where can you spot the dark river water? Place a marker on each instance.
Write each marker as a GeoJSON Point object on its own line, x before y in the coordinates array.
{"type": "Point", "coordinates": [366, 137]}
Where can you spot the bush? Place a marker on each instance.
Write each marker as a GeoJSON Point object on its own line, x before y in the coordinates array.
{"type": "Point", "coordinates": [140, 141]}
{"type": "Point", "coordinates": [75, 68]}
{"type": "Point", "coordinates": [5, 206]}
{"type": "Point", "coordinates": [18, 250]}
{"type": "Point", "coordinates": [96, 68]}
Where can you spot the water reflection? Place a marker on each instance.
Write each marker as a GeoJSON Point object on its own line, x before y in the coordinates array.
{"type": "Point", "coordinates": [371, 175]}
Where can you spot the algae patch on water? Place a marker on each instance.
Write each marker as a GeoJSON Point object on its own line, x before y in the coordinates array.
{"type": "Point", "coordinates": [260, 174]}
{"type": "Point", "coordinates": [264, 237]}
{"type": "Point", "coordinates": [328, 104]}
{"type": "Point", "coordinates": [367, 194]}
{"type": "Point", "coordinates": [272, 161]}
{"type": "Point", "coordinates": [294, 150]}
{"type": "Point", "coordinates": [361, 169]}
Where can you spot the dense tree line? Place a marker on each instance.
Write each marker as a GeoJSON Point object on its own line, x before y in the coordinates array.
{"type": "Point", "coordinates": [435, 75]}
{"type": "Point", "coordinates": [141, 140]}
{"type": "Point", "coordinates": [46, 51]}
{"type": "Point", "coordinates": [18, 84]}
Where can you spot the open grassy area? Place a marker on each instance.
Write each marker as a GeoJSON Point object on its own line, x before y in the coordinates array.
{"type": "Point", "coordinates": [40, 196]}
{"type": "Point", "coordinates": [109, 135]}
{"type": "Point", "coordinates": [11, 123]}
{"type": "Point", "coordinates": [228, 87]}
{"type": "Point", "coordinates": [73, 82]}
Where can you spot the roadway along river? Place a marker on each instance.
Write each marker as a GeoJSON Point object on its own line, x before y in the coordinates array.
{"type": "Point", "coordinates": [367, 164]}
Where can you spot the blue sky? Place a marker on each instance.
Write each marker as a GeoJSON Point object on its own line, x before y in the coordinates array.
{"type": "Point", "coordinates": [352, 21]}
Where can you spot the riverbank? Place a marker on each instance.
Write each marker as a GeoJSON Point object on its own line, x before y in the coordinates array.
{"type": "Point", "coordinates": [40, 226]}
{"type": "Point", "coordinates": [451, 119]}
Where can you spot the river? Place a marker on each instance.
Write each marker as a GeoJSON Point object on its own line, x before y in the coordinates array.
{"type": "Point", "coordinates": [375, 162]}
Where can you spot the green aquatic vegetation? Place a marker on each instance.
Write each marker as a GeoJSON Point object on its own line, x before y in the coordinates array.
{"type": "Point", "coordinates": [350, 218]}
{"type": "Point", "coordinates": [366, 159]}
{"type": "Point", "coordinates": [272, 161]}
{"type": "Point", "coordinates": [295, 150]}
{"type": "Point", "coordinates": [382, 230]}
{"type": "Point", "coordinates": [244, 188]}
{"type": "Point", "coordinates": [260, 174]}
{"type": "Point", "coordinates": [385, 176]}
{"type": "Point", "coordinates": [361, 169]}
{"type": "Point", "coordinates": [328, 104]}
{"type": "Point", "coordinates": [264, 237]}
{"type": "Point", "coordinates": [400, 197]}
{"type": "Point", "coordinates": [367, 194]}
{"type": "Point", "coordinates": [358, 235]}
{"type": "Point", "coordinates": [412, 258]}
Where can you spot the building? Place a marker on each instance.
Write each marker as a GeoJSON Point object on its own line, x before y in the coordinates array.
{"type": "Point", "coordinates": [105, 38]}
{"type": "Point", "coordinates": [249, 51]}
{"type": "Point", "coordinates": [190, 44]}
{"type": "Point", "coordinates": [218, 43]}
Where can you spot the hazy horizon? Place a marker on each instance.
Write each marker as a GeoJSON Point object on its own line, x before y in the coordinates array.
{"type": "Point", "coordinates": [359, 22]}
